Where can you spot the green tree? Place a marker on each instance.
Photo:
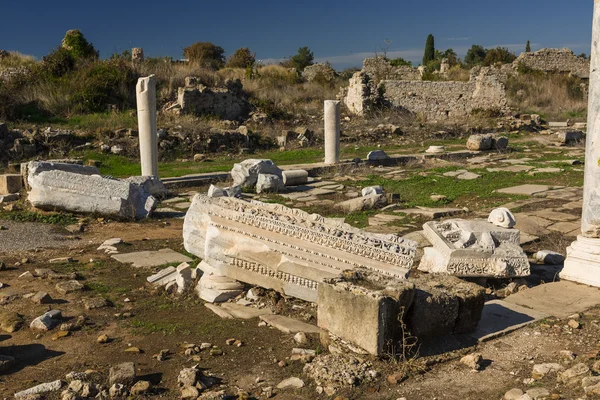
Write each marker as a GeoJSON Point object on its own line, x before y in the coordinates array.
{"type": "Point", "coordinates": [528, 47]}
{"type": "Point", "coordinates": [398, 62]}
{"type": "Point", "coordinates": [302, 59]}
{"type": "Point", "coordinates": [205, 54]}
{"type": "Point", "coordinates": [242, 58]}
{"type": "Point", "coordinates": [475, 55]}
{"type": "Point", "coordinates": [76, 44]}
{"type": "Point", "coordinates": [429, 54]}
{"type": "Point", "coordinates": [498, 55]}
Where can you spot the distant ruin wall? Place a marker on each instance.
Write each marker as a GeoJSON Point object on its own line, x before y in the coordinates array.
{"type": "Point", "coordinates": [227, 102]}
{"type": "Point", "coordinates": [379, 69]}
{"type": "Point", "coordinates": [555, 60]}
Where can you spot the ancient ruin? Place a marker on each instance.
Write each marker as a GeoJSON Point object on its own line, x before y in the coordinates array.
{"type": "Point", "coordinates": [227, 102]}
{"type": "Point", "coordinates": [555, 60]}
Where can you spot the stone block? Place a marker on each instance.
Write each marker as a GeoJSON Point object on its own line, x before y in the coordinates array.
{"type": "Point", "coordinates": [377, 155]}
{"type": "Point", "coordinates": [10, 183]}
{"type": "Point", "coordinates": [362, 203]}
{"type": "Point", "coordinates": [269, 183]}
{"type": "Point", "coordinates": [566, 137]}
{"type": "Point", "coordinates": [123, 374]}
{"type": "Point", "coordinates": [295, 177]}
{"type": "Point", "coordinates": [480, 142]}
{"type": "Point", "coordinates": [246, 173]}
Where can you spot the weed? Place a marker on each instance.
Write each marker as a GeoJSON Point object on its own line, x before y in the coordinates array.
{"type": "Point", "coordinates": [30, 216]}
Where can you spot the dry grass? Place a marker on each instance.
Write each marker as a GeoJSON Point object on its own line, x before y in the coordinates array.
{"type": "Point", "coordinates": [16, 60]}
{"type": "Point", "coordinates": [550, 95]}
{"type": "Point", "coordinates": [457, 73]}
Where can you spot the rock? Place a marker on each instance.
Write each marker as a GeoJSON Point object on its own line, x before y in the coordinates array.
{"type": "Point", "coordinates": [150, 184]}
{"type": "Point", "coordinates": [10, 321]}
{"type": "Point", "coordinates": [295, 177]}
{"type": "Point", "coordinates": [435, 149]}
{"type": "Point", "coordinates": [377, 155]}
{"type": "Point", "coordinates": [574, 324]}
{"type": "Point", "coordinates": [215, 191]}
{"type": "Point", "coordinates": [590, 381]}
{"type": "Point", "coordinates": [41, 298]}
{"type": "Point", "coordinates": [269, 183]}
{"type": "Point", "coordinates": [438, 197]}
{"type": "Point", "coordinates": [500, 143]}
{"type": "Point", "coordinates": [94, 303]}
{"type": "Point", "coordinates": [575, 372]}
{"type": "Point", "coordinates": [140, 387]}
{"type": "Point", "coordinates": [479, 142]}
{"type": "Point", "coordinates": [118, 391]}
{"type": "Point", "coordinates": [188, 377]}
{"type": "Point", "coordinates": [6, 362]}
{"type": "Point", "coordinates": [540, 370]}
{"type": "Point", "coordinates": [514, 394]}
{"type": "Point", "coordinates": [59, 190]}
{"type": "Point", "coordinates": [566, 137]}
{"type": "Point", "coordinates": [40, 389]}
{"type": "Point", "coordinates": [116, 149]}
{"type": "Point", "coordinates": [123, 374]}
{"type": "Point", "coordinates": [246, 173]}
{"type": "Point", "coordinates": [549, 257]}
{"type": "Point", "coordinates": [102, 339]}
{"type": "Point", "coordinates": [473, 361]}
{"type": "Point", "coordinates": [567, 355]}
{"type": "Point", "coordinates": [362, 203]}
{"type": "Point", "coordinates": [69, 287]}
{"type": "Point", "coordinates": [502, 217]}
{"type": "Point", "coordinates": [46, 321]}
{"type": "Point", "coordinates": [199, 157]}
{"type": "Point", "coordinates": [300, 338]}
{"type": "Point", "coordinates": [291, 383]}
{"type": "Point", "coordinates": [372, 190]}
{"type": "Point", "coordinates": [189, 392]}
{"type": "Point", "coordinates": [538, 393]}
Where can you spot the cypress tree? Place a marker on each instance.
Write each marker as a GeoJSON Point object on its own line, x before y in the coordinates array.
{"type": "Point", "coordinates": [429, 50]}
{"type": "Point", "coordinates": [528, 47]}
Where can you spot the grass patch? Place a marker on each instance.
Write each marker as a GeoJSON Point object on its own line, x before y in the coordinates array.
{"type": "Point", "coordinates": [148, 327]}
{"type": "Point", "coordinates": [31, 216]}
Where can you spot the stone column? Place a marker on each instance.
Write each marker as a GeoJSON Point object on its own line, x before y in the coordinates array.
{"type": "Point", "coordinates": [295, 177]}
{"type": "Point", "coordinates": [146, 108]}
{"type": "Point", "coordinates": [332, 131]}
{"type": "Point", "coordinates": [583, 256]}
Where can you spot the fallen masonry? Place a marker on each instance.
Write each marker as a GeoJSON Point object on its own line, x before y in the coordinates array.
{"type": "Point", "coordinates": [285, 249]}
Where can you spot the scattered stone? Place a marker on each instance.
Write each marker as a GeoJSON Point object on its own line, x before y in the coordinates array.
{"type": "Point", "coordinates": [574, 324]}
{"type": "Point", "coordinates": [548, 257]}
{"type": "Point", "coordinates": [502, 217]}
{"type": "Point", "coordinates": [152, 258]}
{"type": "Point", "coordinates": [133, 349]}
{"type": "Point", "coordinates": [41, 298]}
{"type": "Point", "coordinates": [538, 393]}
{"type": "Point", "coordinates": [118, 391]}
{"type": "Point", "coordinates": [291, 383]}
{"type": "Point", "coordinates": [377, 155]}
{"type": "Point", "coordinates": [246, 173]}
{"type": "Point", "coordinates": [372, 190]}
{"type": "Point", "coordinates": [69, 287]}
{"type": "Point", "coordinates": [514, 394]}
{"type": "Point", "coordinates": [61, 260]}
{"type": "Point", "coordinates": [94, 303]}
{"type": "Point", "coordinates": [473, 361]}
{"type": "Point", "coordinates": [540, 370]}
{"type": "Point", "coordinates": [40, 389]}
{"type": "Point", "coordinates": [438, 197]}
{"type": "Point", "coordinates": [188, 377]}
{"type": "Point", "coordinates": [462, 174]}
{"type": "Point", "coordinates": [103, 339]}
{"type": "Point", "coordinates": [300, 338]}
{"type": "Point", "coordinates": [435, 149]}
{"type": "Point", "coordinates": [46, 321]}
{"type": "Point", "coordinates": [567, 355]}
{"type": "Point", "coordinates": [189, 392]}
{"type": "Point", "coordinates": [123, 374]}
{"type": "Point", "coordinates": [60, 334]}
{"type": "Point", "coordinates": [566, 137]}
{"type": "Point", "coordinates": [10, 321]}
{"type": "Point", "coordinates": [362, 203]}
{"type": "Point", "coordinates": [576, 372]}
{"type": "Point", "coordinates": [479, 142]}
{"type": "Point", "coordinates": [289, 325]}
{"type": "Point", "coordinates": [269, 183]}
{"type": "Point", "coordinates": [140, 387]}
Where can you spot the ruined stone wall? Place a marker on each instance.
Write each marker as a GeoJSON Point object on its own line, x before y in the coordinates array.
{"type": "Point", "coordinates": [555, 60]}
{"type": "Point", "coordinates": [227, 102]}
{"type": "Point", "coordinates": [379, 69]}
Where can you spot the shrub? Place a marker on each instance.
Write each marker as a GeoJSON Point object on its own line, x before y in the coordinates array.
{"type": "Point", "coordinates": [302, 59]}
{"type": "Point", "coordinates": [205, 54]}
{"type": "Point", "coordinates": [58, 63]}
{"type": "Point", "coordinates": [78, 46]}
{"type": "Point", "coordinates": [242, 58]}
{"type": "Point", "coordinates": [475, 55]}
{"type": "Point", "coordinates": [498, 55]}
{"type": "Point", "coordinates": [400, 62]}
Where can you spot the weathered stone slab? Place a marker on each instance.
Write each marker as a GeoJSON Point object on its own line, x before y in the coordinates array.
{"type": "Point", "coordinates": [559, 299]}
{"type": "Point", "coordinates": [246, 172]}
{"type": "Point", "coordinates": [289, 325]}
{"type": "Point", "coordinates": [501, 317]}
{"type": "Point", "coordinates": [152, 258]}
{"type": "Point", "coordinates": [151, 184]}
{"type": "Point", "coordinates": [89, 193]}
{"type": "Point", "coordinates": [285, 249]}
{"type": "Point", "coordinates": [10, 183]}
{"type": "Point", "coordinates": [433, 213]}
{"type": "Point", "coordinates": [362, 203]}
{"type": "Point", "coordinates": [244, 312]}
{"type": "Point", "coordinates": [473, 248]}
{"type": "Point", "coordinates": [528, 190]}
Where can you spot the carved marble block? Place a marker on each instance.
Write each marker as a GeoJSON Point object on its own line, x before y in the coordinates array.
{"type": "Point", "coordinates": [286, 249]}
{"type": "Point", "coordinates": [473, 249]}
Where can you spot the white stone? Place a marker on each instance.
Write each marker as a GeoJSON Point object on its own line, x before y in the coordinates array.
{"type": "Point", "coordinates": [47, 321]}
{"type": "Point", "coordinates": [372, 190]}
{"type": "Point", "coordinates": [269, 183]}
{"type": "Point", "coordinates": [332, 131]}
{"type": "Point", "coordinates": [146, 111]}
{"type": "Point", "coordinates": [246, 172]}
{"type": "Point", "coordinates": [473, 248]}
{"type": "Point", "coordinates": [151, 184]}
{"type": "Point", "coordinates": [435, 149]}
{"type": "Point", "coordinates": [294, 383]}
{"type": "Point", "coordinates": [549, 257]}
{"type": "Point", "coordinates": [215, 191]}
{"type": "Point", "coordinates": [502, 217]}
{"type": "Point", "coordinates": [40, 389]}
{"type": "Point", "coordinates": [295, 177]}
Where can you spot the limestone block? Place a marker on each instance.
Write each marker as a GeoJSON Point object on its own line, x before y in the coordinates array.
{"type": "Point", "coordinates": [362, 203]}
{"type": "Point", "coordinates": [295, 177]}
{"type": "Point", "coordinates": [566, 137]}
{"type": "Point", "coordinates": [68, 191]}
{"type": "Point", "coordinates": [473, 248]}
{"type": "Point", "coordinates": [215, 191]}
{"type": "Point", "coordinates": [269, 183]}
{"type": "Point", "coordinates": [246, 172]}
{"type": "Point", "coordinates": [285, 249]}
{"type": "Point", "coordinates": [372, 190]}
{"type": "Point", "coordinates": [479, 142]}
{"type": "Point", "coordinates": [10, 183]}
{"type": "Point", "coordinates": [367, 318]}
{"type": "Point", "coordinates": [151, 184]}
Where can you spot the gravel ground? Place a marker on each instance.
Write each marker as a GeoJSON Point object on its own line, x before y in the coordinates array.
{"type": "Point", "coordinates": [19, 236]}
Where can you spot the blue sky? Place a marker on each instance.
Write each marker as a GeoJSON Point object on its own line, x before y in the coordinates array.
{"type": "Point", "coordinates": [342, 32]}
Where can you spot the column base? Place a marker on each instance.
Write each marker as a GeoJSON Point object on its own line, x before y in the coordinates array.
{"type": "Point", "coordinates": [583, 262]}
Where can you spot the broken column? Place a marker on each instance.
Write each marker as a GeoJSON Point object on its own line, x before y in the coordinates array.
{"type": "Point", "coordinates": [332, 131]}
{"type": "Point", "coordinates": [583, 256]}
{"type": "Point", "coordinates": [295, 177]}
{"type": "Point", "coordinates": [146, 108]}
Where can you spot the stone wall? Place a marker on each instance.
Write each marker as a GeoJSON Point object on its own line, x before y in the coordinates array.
{"type": "Point", "coordinates": [432, 100]}
{"type": "Point", "coordinates": [379, 69]}
{"type": "Point", "coordinates": [226, 102]}
{"type": "Point", "coordinates": [555, 60]}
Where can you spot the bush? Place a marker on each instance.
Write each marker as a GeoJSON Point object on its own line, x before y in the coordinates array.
{"type": "Point", "coordinates": [78, 46]}
{"type": "Point", "coordinates": [498, 55]}
{"type": "Point", "coordinates": [242, 58]}
{"type": "Point", "coordinates": [400, 62]}
{"type": "Point", "coordinates": [205, 54]}
{"type": "Point", "coordinates": [475, 55]}
{"type": "Point", "coordinates": [58, 63]}
{"type": "Point", "coordinates": [302, 59]}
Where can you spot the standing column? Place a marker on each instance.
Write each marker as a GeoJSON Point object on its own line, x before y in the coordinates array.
{"type": "Point", "coordinates": [583, 256]}
{"type": "Point", "coordinates": [332, 131]}
{"type": "Point", "coordinates": [146, 109]}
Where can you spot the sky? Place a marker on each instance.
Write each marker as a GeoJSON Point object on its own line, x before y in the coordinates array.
{"type": "Point", "coordinates": [341, 32]}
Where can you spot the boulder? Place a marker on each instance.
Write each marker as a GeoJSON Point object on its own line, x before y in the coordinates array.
{"type": "Point", "coordinates": [123, 374]}
{"type": "Point", "coordinates": [59, 190]}
{"type": "Point", "coordinates": [377, 155]}
{"type": "Point", "coordinates": [479, 142]}
{"type": "Point", "coordinates": [269, 183]}
{"type": "Point", "coordinates": [46, 321]}
{"type": "Point", "coordinates": [246, 173]}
